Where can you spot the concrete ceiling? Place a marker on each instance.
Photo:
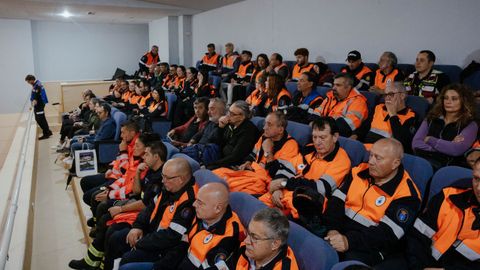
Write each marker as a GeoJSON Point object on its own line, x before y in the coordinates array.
{"type": "Point", "coordinates": [105, 11]}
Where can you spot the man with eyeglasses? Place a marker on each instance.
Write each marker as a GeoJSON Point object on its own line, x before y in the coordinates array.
{"type": "Point", "coordinates": [274, 151]}
{"type": "Point", "coordinates": [266, 244]}
{"type": "Point", "coordinates": [215, 235]}
{"type": "Point", "coordinates": [393, 119]}
{"type": "Point", "coordinates": [237, 136]}
{"type": "Point", "coordinates": [158, 231]}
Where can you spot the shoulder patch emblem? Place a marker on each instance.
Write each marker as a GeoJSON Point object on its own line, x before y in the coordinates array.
{"type": "Point", "coordinates": [208, 238]}
{"type": "Point", "coordinates": [380, 201]}
{"type": "Point", "coordinates": [403, 215]}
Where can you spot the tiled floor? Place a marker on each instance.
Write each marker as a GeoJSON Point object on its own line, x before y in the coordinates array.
{"type": "Point", "coordinates": [57, 234]}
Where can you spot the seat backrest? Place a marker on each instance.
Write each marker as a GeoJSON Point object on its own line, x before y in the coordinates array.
{"type": "Point", "coordinates": [245, 205]}
{"type": "Point", "coordinates": [372, 66]}
{"type": "Point", "coordinates": [171, 99]}
{"type": "Point", "coordinates": [197, 65]}
{"type": "Point", "coordinates": [448, 176]}
{"type": "Point", "coordinates": [372, 100]}
{"type": "Point", "coordinates": [291, 87]}
{"type": "Point", "coordinates": [335, 67]}
{"type": "Point", "coordinates": [171, 150]}
{"type": "Point", "coordinates": [215, 81]}
{"type": "Point", "coordinates": [473, 80]}
{"type": "Point", "coordinates": [305, 245]}
{"type": "Point", "coordinates": [290, 64]}
{"type": "Point", "coordinates": [355, 150]}
{"type": "Point", "coordinates": [300, 132]}
{"type": "Point", "coordinates": [419, 170]}
{"type": "Point", "coordinates": [204, 176]}
{"type": "Point", "coordinates": [452, 71]}
{"type": "Point", "coordinates": [406, 68]}
{"type": "Point", "coordinates": [345, 264]}
{"type": "Point", "coordinates": [322, 90]}
{"type": "Point", "coordinates": [419, 105]}
{"type": "Point", "coordinates": [119, 118]}
{"type": "Point", "coordinates": [258, 122]}
{"type": "Point", "coordinates": [311, 252]}
{"type": "Point", "coordinates": [193, 163]}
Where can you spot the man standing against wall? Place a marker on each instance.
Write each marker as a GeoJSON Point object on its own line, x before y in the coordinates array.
{"type": "Point", "coordinates": [39, 99]}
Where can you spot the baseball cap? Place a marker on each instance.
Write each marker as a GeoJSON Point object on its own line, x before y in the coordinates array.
{"type": "Point", "coordinates": [354, 56]}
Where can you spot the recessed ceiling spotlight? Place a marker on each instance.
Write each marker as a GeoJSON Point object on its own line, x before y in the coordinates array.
{"type": "Point", "coordinates": [66, 14]}
{"type": "Point", "coordinates": [91, 13]}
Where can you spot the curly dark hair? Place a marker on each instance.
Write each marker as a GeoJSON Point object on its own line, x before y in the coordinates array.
{"type": "Point", "coordinates": [467, 111]}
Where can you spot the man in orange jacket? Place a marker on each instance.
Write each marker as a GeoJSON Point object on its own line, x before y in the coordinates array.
{"type": "Point", "coordinates": [368, 215]}
{"type": "Point", "coordinates": [345, 104]}
{"type": "Point", "coordinates": [145, 188]}
{"type": "Point", "coordinates": [273, 151]}
{"type": "Point", "coordinates": [447, 234]}
{"type": "Point", "coordinates": [266, 244]}
{"type": "Point", "coordinates": [320, 169]}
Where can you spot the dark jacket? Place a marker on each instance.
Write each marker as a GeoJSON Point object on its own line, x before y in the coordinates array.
{"type": "Point", "coordinates": [236, 144]}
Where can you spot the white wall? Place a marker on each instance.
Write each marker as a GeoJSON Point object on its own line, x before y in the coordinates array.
{"type": "Point", "coordinates": [329, 29]}
{"type": "Point", "coordinates": [83, 51]}
{"type": "Point", "coordinates": [16, 61]}
{"type": "Point", "coordinates": [158, 35]}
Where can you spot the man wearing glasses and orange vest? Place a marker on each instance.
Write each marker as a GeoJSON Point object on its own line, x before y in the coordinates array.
{"type": "Point", "coordinates": [345, 104]}
{"type": "Point", "coordinates": [214, 237]}
{"type": "Point", "coordinates": [158, 231]}
{"type": "Point", "coordinates": [369, 214]}
{"type": "Point", "coordinates": [393, 119]}
{"type": "Point", "coordinates": [447, 234]}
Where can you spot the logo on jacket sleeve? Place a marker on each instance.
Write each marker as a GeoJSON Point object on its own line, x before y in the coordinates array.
{"type": "Point", "coordinates": [402, 215]}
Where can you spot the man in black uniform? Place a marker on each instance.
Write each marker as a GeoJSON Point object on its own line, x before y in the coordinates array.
{"type": "Point", "coordinates": [38, 98]}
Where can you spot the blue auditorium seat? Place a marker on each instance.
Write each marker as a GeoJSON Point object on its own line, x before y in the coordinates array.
{"type": "Point", "coordinates": [335, 67]}
{"type": "Point", "coordinates": [473, 81]}
{"type": "Point", "coordinates": [372, 66]}
{"type": "Point", "coordinates": [258, 122]}
{"type": "Point", "coordinates": [311, 252]}
{"type": "Point", "coordinates": [204, 176]}
{"type": "Point", "coordinates": [290, 65]}
{"type": "Point", "coordinates": [215, 81]}
{"type": "Point", "coordinates": [197, 65]}
{"type": "Point", "coordinates": [291, 87]}
{"type": "Point", "coordinates": [193, 163]}
{"type": "Point", "coordinates": [300, 132]}
{"type": "Point", "coordinates": [107, 150]}
{"type": "Point", "coordinates": [171, 150]}
{"type": "Point", "coordinates": [452, 71]}
{"type": "Point", "coordinates": [162, 127]}
{"type": "Point", "coordinates": [406, 68]}
{"type": "Point", "coordinates": [343, 265]}
{"type": "Point", "coordinates": [419, 105]}
{"type": "Point", "coordinates": [322, 90]}
{"type": "Point", "coordinates": [448, 176]}
{"type": "Point", "coordinates": [355, 150]}
{"type": "Point", "coordinates": [419, 170]}
{"type": "Point", "coordinates": [372, 100]}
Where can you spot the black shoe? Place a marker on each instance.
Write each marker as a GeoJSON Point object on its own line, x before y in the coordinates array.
{"type": "Point", "coordinates": [80, 265]}
{"type": "Point", "coordinates": [44, 137]}
{"type": "Point", "coordinates": [91, 222]}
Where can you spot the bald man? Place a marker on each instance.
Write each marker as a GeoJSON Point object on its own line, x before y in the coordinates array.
{"type": "Point", "coordinates": [215, 236]}
{"type": "Point", "coordinates": [158, 231]}
{"type": "Point", "coordinates": [369, 214]}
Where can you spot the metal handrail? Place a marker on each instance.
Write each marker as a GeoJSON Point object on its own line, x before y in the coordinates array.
{"type": "Point", "coordinates": [12, 210]}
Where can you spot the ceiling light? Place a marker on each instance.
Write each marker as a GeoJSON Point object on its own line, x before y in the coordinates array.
{"type": "Point", "coordinates": [66, 14]}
